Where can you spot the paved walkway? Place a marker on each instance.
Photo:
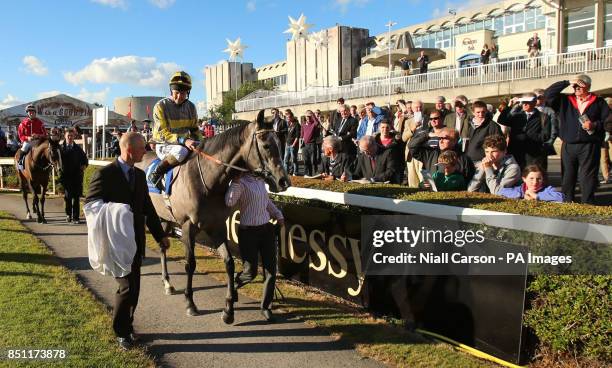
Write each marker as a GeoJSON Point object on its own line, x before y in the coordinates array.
{"type": "Point", "coordinates": [177, 340]}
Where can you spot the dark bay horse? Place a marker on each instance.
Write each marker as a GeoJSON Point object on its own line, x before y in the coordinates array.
{"type": "Point", "coordinates": [44, 155]}
{"type": "Point", "coordinates": [198, 195]}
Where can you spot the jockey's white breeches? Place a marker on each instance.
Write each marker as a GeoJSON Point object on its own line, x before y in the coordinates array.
{"type": "Point", "coordinates": [179, 152]}
{"type": "Point", "coordinates": [25, 147]}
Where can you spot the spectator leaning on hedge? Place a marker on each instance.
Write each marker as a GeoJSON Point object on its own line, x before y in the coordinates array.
{"type": "Point", "coordinates": [448, 179]}
{"type": "Point", "coordinates": [388, 139]}
{"type": "Point", "coordinates": [581, 128]}
{"type": "Point", "coordinates": [528, 131]}
{"type": "Point", "coordinates": [373, 163]}
{"type": "Point", "coordinates": [533, 187]}
{"type": "Point", "coordinates": [497, 169]}
{"type": "Point", "coordinates": [480, 127]}
{"type": "Point", "coordinates": [335, 163]}
{"type": "Point", "coordinates": [447, 141]}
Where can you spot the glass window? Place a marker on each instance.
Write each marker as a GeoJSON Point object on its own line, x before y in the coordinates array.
{"type": "Point", "coordinates": [479, 25]}
{"type": "Point", "coordinates": [530, 18]}
{"type": "Point", "coordinates": [498, 25]}
{"type": "Point", "coordinates": [462, 28]}
{"type": "Point", "coordinates": [580, 26]}
{"type": "Point", "coordinates": [509, 20]}
{"type": "Point", "coordinates": [488, 23]}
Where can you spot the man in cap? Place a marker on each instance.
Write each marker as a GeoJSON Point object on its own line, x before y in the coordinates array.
{"type": "Point", "coordinates": [440, 101]}
{"type": "Point", "coordinates": [553, 134]}
{"type": "Point", "coordinates": [582, 116]}
{"type": "Point", "coordinates": [175, 127]}
{"type": "Point", "coordinates": [528, 130]}
{"type": "Point", "coordinates": [30, 128]}
{"type": "Point", "coordinates": [459, 120]}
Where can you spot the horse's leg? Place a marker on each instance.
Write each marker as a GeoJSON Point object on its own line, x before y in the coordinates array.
{"type": "Point", "coordinates": [169, 289]}
{"type": "Point", "coordinates": [188, 240]}
{"type": "Point", "coordinates": [231, 296]}
{"type": "Point", "coordinates": [36, 203]}
{"type": "Point", "coordinates": [24, 193]}
{"type": "Point", "coordinates": [42, 203]}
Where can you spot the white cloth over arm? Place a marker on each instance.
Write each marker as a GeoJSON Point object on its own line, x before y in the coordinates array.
{"type": "Point", "coordinates": [111, 242]}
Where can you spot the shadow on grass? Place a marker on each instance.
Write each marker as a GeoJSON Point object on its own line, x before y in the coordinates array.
{"type": "Point", "coordinates": [43, 259]}
{"type": "Point", "coordinates": [27, 274]}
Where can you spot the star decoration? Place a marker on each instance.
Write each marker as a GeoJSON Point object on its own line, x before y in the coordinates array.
{"type": "Point", "coordinates": [235, 49]}
{"type": "Point", "coordinates": [319, 39]}
{"type": "Point", "coordinates": [298, 28]}
{"type": "Point", "coordinates": [382, 43]}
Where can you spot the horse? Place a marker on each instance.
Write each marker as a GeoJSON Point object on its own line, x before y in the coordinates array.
{"type": "Point", "coordinates": [197, 199]}
{"type": "Point", "coordinates": [44, 155]}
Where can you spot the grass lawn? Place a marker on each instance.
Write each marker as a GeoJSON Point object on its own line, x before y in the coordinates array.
{"type": "Point", "coordinates": [42, 306]}
{"type": "Point", "coordinates": [378, 339]}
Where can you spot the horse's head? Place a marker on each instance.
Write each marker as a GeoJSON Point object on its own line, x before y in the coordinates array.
{"type": "Point", "coordinates": [53, 154]}
{"type": "Point", "coordinates": [263, 157]}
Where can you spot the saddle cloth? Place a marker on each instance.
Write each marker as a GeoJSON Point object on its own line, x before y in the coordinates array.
{"type": "Point", "coordinates": [166, 181]}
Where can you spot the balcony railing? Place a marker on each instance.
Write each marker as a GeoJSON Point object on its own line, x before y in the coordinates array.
{"type": "Point", "coordinates": [541, 67]}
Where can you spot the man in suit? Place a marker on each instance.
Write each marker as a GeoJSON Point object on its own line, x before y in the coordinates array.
{"type": "Point", "coordinates": [121, 182]}
{"type": "Point", "coordinates": [346, 130]}
{"type": "Point", "coordinates": [373, 163]}
{"type": "Point", "coordinates": [74, 162]}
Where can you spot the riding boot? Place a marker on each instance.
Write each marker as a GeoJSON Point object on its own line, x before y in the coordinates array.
{"type": "Point", "coordinates": [21, 158]}
{"type": "Point", "coordinates": [157, 174]}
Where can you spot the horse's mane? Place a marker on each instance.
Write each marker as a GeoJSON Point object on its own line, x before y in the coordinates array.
{"type": "Point", "coordinates": [230, 137]}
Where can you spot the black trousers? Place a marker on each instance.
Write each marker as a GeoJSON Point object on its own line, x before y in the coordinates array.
{"type": "Point", "coordinates": [254, 241]}
{"type": "Point", "coordinates": [309, 152]}
{"type": "Point", "coordinates": [580, 162]}
{"type": "Point", "coordinates": [71, 202]}
{"type": "Point", "coordinates": [126, 299]}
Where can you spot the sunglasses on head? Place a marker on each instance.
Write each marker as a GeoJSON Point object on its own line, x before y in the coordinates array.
{"type": "Point", "coordinates": [434, 118]}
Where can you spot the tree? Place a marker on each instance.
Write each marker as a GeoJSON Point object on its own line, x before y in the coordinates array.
{"type": "Point", "coordinates": [228, 106]}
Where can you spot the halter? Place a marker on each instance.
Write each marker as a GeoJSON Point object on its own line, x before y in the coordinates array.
{"type": "Point", "coordinates": [262, 171]}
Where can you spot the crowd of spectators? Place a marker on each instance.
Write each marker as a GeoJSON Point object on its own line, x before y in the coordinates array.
{"type": "Point", "coordinates": [459, 144]}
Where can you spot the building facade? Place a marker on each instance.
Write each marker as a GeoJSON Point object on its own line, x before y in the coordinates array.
{"type": "Point", "coordinates": [138, 108]}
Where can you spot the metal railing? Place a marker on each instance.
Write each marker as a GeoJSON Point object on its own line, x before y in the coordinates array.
{"type": "Point", "coordinates": [534, 68]}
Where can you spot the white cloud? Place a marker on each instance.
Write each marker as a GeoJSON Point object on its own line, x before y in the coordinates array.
{"type": "Point", "coordinates": [9, 101]}
{"type": "Point", "coordinates": [162, 4]}
{"type": "Point", "coordinates": [93, 96]}
{"type": "Point", "coordinates": [135, 70]}
{"type": "Point", "coordinates": [112, 3]}
{"type": "Point", "coordinates": [251, 6]}
{"type": "Point", "coordinates": [34, 65]}
{"type": "Point", "coordinates": [346, 5]}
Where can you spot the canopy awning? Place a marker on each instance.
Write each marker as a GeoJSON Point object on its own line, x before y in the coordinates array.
{"type": "Point", "coordinates": [381, 58]}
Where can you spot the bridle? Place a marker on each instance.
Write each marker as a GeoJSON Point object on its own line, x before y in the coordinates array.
{"type": "Point", "coordinates": [263, 171]}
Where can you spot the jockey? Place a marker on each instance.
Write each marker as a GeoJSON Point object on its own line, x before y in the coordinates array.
{"type": "Point", "coordinates": [175, 126]}
{"type": "Point", "coordinates": [30, 128]}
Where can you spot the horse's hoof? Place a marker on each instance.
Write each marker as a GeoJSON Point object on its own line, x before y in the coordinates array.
{"type": "Point", "coordinates": [43, 221]}
{"type": "Point", "coordinates": [228, 318]}
{"type": "Point", "coordinates": [235, 297]}
{"type": "Point", "coordinates": [39, 220]}
{"type": "Point", "coordinates": [193, 311]}
{"type": "Point", "coordinates": [170, 290]}
{"type": "Point", "coordinates": [28, 216]}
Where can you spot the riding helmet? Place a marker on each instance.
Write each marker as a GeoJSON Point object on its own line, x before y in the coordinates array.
{"type": "Point", "coordinates": [180, 81]}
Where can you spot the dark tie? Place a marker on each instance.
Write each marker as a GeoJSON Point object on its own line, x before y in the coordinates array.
{"type": "Point", "coordinates": [373, 163]}
{"type": "Point", "coordinates": [132, 178]}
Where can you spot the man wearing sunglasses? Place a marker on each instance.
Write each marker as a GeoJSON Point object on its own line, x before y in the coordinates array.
{"type": "Point", "coordinates": [582, 115]}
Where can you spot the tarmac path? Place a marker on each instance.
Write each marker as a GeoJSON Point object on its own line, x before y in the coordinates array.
{"type": "Point", "coordinates": [177, 340]}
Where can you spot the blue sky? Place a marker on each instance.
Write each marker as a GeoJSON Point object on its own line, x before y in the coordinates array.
{"type": "Point", "coordinates": [101, 49]}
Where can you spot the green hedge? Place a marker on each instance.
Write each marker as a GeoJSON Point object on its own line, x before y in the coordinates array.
{"type": "Point", "coordinates": [570, 315]}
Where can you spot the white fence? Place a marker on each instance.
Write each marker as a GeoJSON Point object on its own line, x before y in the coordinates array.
{"type": "Point", "coordinates": [541, 67]}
